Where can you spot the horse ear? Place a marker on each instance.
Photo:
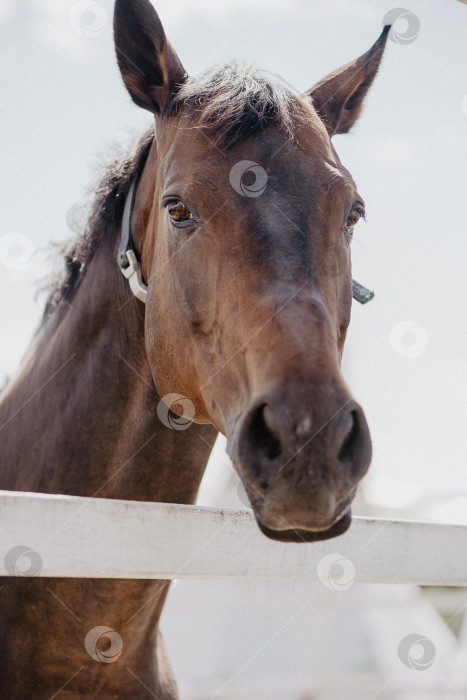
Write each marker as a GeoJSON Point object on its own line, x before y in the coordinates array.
{"type": "Point", "coordinates": [338, 98]}
{"type": "Point", "coordinates": [150, 68]}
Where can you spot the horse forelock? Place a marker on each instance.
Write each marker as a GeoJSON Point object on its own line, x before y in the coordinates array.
{"type": "Point", "coordinates": [235, 100]}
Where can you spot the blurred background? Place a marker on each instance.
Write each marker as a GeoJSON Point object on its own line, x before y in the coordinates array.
{"type": "Point", "coordinates": [63, 108]}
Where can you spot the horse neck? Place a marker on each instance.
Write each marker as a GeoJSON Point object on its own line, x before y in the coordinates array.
{"type": "Point", "coordinates": [81, 417]}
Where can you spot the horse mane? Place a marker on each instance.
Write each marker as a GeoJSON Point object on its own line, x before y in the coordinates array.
{"type": "Point", "coordinates": [237, 100]}
{"type": "Point", "coordinates": [233, 101]}
{"type": "Point", "coordinates": [106, 209]}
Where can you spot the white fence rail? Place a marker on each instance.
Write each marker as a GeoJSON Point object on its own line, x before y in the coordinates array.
{"type": "Point", "coordinates": [104, 538]}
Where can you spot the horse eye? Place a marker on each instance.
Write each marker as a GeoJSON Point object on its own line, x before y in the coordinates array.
{"type": "Point", "coordinates": [179, 213]}
{"type": "Point", "coordinates": [352, 219]}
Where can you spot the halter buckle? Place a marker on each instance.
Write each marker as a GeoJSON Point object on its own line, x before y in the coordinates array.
{"type": "Point", "coordinates": [133, 275]}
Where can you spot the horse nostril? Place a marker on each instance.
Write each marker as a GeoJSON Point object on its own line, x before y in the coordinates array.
{"type": "Point", "coordinates": [262, 433]}
{"type": "Point", "coordinates": [271, 452]}
{"type": "Point", "coordinates": [352, 440]}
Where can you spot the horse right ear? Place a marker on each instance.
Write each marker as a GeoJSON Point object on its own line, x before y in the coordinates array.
{"type": "Point", "coordinates": [150, 68]}
{"type": "Point", "coordinates": [338, 98]}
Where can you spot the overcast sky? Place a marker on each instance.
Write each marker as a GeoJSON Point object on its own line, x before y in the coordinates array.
{"type": "Point", "coordinates": [62, 105]}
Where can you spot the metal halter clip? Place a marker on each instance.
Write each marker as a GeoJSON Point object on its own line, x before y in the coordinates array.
{"type": "Point", "coordinates": [361, 293]}
{"type": "Point", "coordinates": [133, 275]}
{"type": "Point", "coordinates": [126, 258]}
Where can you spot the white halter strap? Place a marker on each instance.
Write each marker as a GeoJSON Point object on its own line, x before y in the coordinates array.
{"type": "Point", "coordinates": [126, 258]}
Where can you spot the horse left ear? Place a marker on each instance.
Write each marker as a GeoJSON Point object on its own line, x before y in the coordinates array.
{"type": "Point", "coordinates": [338, 98]}
{"type": "Point", "coordinates": [150, 68]}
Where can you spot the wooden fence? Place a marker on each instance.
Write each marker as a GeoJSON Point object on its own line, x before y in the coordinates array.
{"type": "Point", "coordinates": [57, 535]}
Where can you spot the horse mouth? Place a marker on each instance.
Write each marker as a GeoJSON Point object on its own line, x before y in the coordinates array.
{"type": "Point", "coordinates": [300, 535]}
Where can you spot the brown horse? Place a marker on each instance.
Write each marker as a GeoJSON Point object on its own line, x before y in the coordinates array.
{"type": "Point", "coordinates": [233, 219]}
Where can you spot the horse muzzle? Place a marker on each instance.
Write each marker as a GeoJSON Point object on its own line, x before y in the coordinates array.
{"type": "Point", "coordinates": [300, 463]}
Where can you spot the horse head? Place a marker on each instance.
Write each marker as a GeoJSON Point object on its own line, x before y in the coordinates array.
{"type": "Point", "coordinates": [242, 224]}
